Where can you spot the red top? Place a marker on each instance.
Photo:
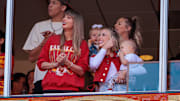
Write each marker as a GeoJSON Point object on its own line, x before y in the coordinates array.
{"type": "Point", "coordinates": [2, 63]}
{"type": "Point", "coordinates": [102, 71]}
{"type": "Point", "coordinates": [62, 78]}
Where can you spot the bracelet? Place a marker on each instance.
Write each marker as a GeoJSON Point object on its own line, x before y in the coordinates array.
{"type": "Point", "coordinates": [70, 65]}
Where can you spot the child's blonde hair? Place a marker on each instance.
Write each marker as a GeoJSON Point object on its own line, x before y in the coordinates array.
{"type": "Point", "coordinates": [95, 27]}
{"type": "Point", "coordinates": [131, 43]}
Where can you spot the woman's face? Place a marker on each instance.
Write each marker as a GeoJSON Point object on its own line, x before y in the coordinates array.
{"type": "Point", "coordinates": [68, 22]}
{"type": "Point", "coordinates": [94, 35]}
{"type": "Point", "coordinates": [121, 27]}
{"type": "Point", "coordinates": [55, 8]}
{"type": "Point", "coordinates": [103, 37]}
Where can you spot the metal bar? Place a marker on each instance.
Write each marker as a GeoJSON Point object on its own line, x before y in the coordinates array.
{"type": "Point", "coordinates": [8, 48]}
{"type": "Point", "coordinates": [163, 46]}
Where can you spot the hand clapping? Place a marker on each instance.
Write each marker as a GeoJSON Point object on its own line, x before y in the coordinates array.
{"type": "Point", "coordinates": [61, 59]}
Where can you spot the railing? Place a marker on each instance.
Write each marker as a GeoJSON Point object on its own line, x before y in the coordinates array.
{"type": "Point", "coordinates": [143, 77]}
{"type": "Point", "coordinates": [149, 81]}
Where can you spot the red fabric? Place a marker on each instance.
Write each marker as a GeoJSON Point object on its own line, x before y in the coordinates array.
{"type": "Point", "coordinates": [2, 63]}
{"type": "Point", "coordinates": [63, 78]}
{"type": "Point", "coordinates": [102, 71]}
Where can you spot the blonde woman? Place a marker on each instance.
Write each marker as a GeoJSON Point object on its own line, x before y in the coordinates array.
{"type": "Point", "coordinates": [65, 57]}
{"type": "Point", "coordinates": [105, 63]}
{"type": "Point", "coordinates": [128, 29]}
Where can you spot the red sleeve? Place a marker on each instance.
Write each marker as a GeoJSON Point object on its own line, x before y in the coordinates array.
{"type": "Point", "coordinates": [44, 56]}
{"type": "Point", "coordinates": [84, 57]}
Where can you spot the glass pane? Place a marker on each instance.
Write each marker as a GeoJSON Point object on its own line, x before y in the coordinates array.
{"type": "Point", "coordinates": [173, 76]}
{"type": "Point", "coordinates": [37, 11]}
{"type": "Point", "coordinates": [143, 77]}
{"type": "Point", "coordinates": [174, 45]}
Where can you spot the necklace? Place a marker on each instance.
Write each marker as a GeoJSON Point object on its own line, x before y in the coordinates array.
{"type": "Point", "coordinates": [54, 30]}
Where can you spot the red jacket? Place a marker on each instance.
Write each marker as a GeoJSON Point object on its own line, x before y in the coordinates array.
{"type": "Point", "coordinates": [63, 78]}
{"type": "Point", "coordinates": [102, 71]}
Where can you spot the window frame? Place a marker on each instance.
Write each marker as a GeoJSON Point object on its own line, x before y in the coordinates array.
{"type": "Point", "coordinates": [162, 57]}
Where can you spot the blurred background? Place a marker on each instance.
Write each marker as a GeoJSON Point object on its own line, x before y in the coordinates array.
{"type": "Point", "coordinates": [106, 12]}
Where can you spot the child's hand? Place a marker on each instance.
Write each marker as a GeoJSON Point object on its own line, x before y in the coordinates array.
{"type": "Point", "coordinates": [89, 42]}
{"type": "Point", "coordinates": [120, 53]}
{"type": "Point", "coordinates": [121, 77]}
{"type": "Point", "coordinates": [122, 58]}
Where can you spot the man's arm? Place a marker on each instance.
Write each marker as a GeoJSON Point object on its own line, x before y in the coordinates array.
{"type": "Point", "coordinates": [34, 53]}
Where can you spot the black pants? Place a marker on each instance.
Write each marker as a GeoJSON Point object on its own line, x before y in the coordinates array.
{"type": "Point", "coordinates": [38, 87]}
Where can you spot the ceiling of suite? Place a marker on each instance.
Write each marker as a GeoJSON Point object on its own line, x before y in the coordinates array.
{"type": "Point", "coordinates": [27, 12]}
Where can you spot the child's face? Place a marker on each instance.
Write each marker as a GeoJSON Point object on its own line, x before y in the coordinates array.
{"type": "Point", "coordinates": [94, 35]}
{"type": "Point", "coordinates": [103, 37]}
{"type": "Point", "coordinates": [127, 48]}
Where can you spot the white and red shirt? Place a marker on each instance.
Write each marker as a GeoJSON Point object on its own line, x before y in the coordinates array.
{"type": "Point", "coordinates": [104, 66]}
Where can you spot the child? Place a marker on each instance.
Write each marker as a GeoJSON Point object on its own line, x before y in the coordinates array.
{"type": "Point", "coordinates": [127, 55]}
{"type": "Point", "coordinates": [105, 63]}
{"type": "Point", "coordinates": [92, 42]}
{"type": "Point", "coordinates": [93, 50]}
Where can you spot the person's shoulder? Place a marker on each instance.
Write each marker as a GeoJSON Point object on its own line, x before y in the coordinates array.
{"type": "Point", "coordinates": [133, 57]}
{"type": "Point", "coordinates": [53, 37]}
{"type": "Point", "coordinates": [44, 22]}
{"type": "Point", "coordinates": [84, 42]}
{"type": "Point", "coordinates": [132, 54]}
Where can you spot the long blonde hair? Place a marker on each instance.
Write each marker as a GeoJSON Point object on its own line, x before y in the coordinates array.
{"type": "Point", "coordinates": [78, 32]}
